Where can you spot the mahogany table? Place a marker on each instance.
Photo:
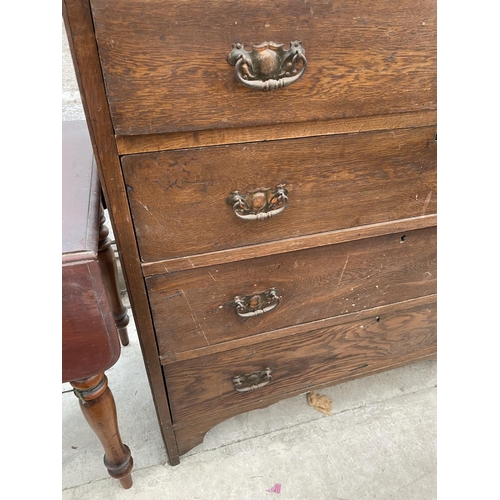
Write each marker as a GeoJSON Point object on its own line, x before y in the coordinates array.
{"type": "Point", "coordinates": [94, 319]}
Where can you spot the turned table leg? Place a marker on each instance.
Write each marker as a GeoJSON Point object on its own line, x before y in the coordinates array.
{"type": "Point", "coordinates": [110, 275]}
{"type": "Point", "coordinates": [98, 407]}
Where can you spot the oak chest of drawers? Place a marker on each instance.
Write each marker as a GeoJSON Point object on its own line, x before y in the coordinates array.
{"type": "Point", "coordinates": [270, 172]}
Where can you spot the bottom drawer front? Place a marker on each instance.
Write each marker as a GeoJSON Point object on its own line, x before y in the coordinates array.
{"type": "Point", "coordinates": [297, 363]}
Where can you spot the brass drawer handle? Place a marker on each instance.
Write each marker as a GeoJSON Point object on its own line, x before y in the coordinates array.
{"type": "Point", "coordinates": [259, 204]}
{"type": "Point", "coordinates": [256, 304]}
{"type": "Point", "coordinates": [267, 66]}
{"type": "Point", "coordinates": [252, 381]}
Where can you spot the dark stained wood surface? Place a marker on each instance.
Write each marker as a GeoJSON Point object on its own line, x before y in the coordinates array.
{"type": "Point", "coordinates": [90, 342]}
{"type": "Point", "coordinates": [80, 193]}
{"type": "Point", "coordinates": [107, 260]}
{"type": "Point", "coordinates": [165, 62]}
{"type": "Point", "coordinates": [81, 38]}
{"type": "Point", "coordinates": [300, 363]}
{"type": "Point", "coordinates": [179, 198]}
{"type": "Point", "coordinates": [98, 407]}
{"type": "Point", "coordinates": [193, 309]}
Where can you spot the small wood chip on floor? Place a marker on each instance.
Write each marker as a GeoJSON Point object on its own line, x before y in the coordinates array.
{"type": "Point", "coordinates": [320, 402]}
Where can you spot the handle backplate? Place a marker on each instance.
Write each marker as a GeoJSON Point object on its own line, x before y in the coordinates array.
{"type": "Point", "coordinates": [256, 304]}
{"type": "Point", "coordinates": [268, 66]}
{"type": "Point", "coordinates": [259, 204]}
{"type": "Point", "coordinates": [252, 381]}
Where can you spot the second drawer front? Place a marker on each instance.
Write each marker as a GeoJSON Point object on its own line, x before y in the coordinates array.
{"type": "Point", "coordinates": [204, 386]}
{"type": "Point", "coordinates": [179, 199]}
{"type": "Point", "coordinates": [196, 308]}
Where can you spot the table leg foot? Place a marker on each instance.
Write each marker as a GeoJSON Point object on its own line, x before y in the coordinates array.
{"type": "Point", "coordinates": [99, 409]}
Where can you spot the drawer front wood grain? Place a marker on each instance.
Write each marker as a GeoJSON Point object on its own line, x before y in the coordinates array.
{"type": "Point", "coordinates": [299, 363]}
{"type": "Point", "coordinates": [179, 198]}
{"type": "Point", "coordinates": [165, 62]}
{"type": "Point", "coordinates": [194, 309]}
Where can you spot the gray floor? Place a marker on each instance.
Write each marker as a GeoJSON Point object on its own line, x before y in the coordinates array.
{"type": "Point", "coordinates": [379, 442]}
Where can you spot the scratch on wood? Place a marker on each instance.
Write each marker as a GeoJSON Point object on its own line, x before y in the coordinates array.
{"type": "Point", "coordinates": [189, 260]}
{"type": "Point", "coordinates": [340, 279]}
{"type": "Point", "coordinates": [342, 273]}
{"type": "Point", "coordinates": [144, 206]}
{"type": "Point", "coordinates": [192, 316]}
{"type": "Point", "coordinates": [328, 307]}
{"type": "Point", "coordinates": [211, 275]}
{"type": "Point", "coordinates": [426, 202]}
{"type": "Point", "coordinates": [151, 213]}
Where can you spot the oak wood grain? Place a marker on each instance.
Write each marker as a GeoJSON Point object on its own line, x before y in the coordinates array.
{"type": "Point", "coordinates": [166, 70]}
{"type": "Point", "coordinates": [357, 275]}
{"type": "Point", "coordinates": [130, 144]}
{"type": "Point", "coordinates": [282, 333]}
{"type": "Point", "coordinates": [301, 362]}
{"type": "Point", "coordinates": [179, 198]}
{"type": "Point", "coordinates": [190, 433]}
{"type": "Point", "coordinates": [288, 245]}
{"type": "Point", "coordinates": [193, 309]}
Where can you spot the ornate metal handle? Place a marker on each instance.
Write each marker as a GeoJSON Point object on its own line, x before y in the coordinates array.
{"type": "Point", "coordinates": [252, 381]}
{"type": "Point", "coordinates": [267, 66]}
{"type": "Point", "coordinates": [257, 304]}
{"type": "Point", "coordinates": [259, 204]}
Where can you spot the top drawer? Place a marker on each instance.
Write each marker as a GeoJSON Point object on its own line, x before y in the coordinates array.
{"type": "Point", "coordinates": [165, 62]}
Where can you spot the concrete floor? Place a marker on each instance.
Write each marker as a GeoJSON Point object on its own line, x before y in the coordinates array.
{"type": "Point", "coordinates": [379, 442]}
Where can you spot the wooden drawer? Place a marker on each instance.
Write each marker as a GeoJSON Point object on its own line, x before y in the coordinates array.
{"type": "Point", "coordinates": [200, 386]}
{"type": "Point", "coordinates": [179, 199]}
{"type": "Point", "coordinates": [352, 141]}
{"type": "Point", "coordinates": [194, 309]}
{"type": "Point", "coordinates": [165, 62]}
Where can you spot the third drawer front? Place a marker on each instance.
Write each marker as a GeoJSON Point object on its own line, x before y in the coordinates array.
{"type": "Point", "coordinates": [183, 204]}
{"type": "Point", "coordinates": [268, 370]}
{"type": "Point", "coordinates": [202, 307]}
